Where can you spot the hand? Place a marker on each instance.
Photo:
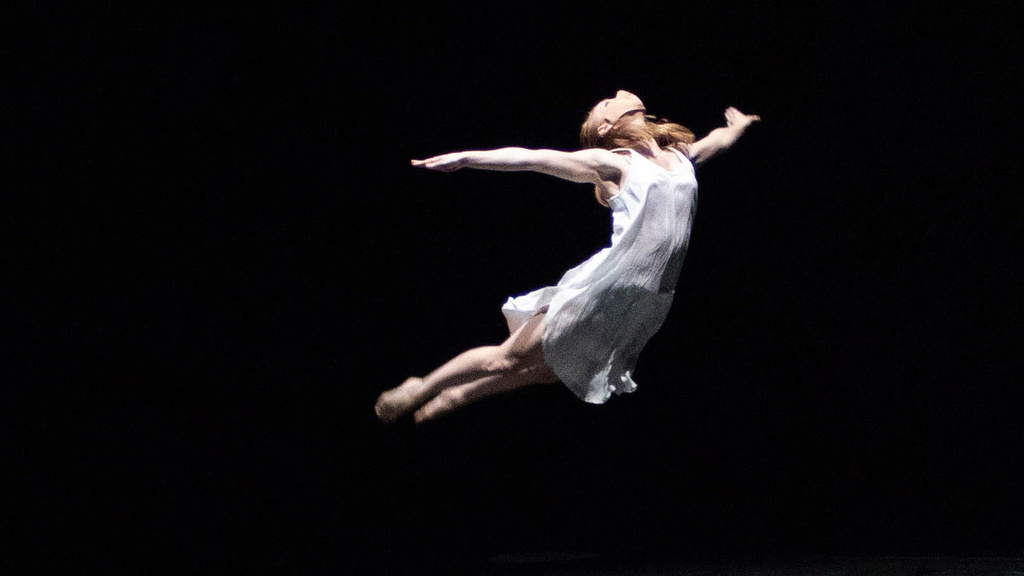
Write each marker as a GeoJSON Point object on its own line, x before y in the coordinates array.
{"type": "Point", "coordinates": [443, 163]}
{"type": "Point", "coordinates": [734, 117]}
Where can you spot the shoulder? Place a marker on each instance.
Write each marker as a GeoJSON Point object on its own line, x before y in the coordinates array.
{"type": "Point", "coordinates": [684, 150]}
{"type": "Point", "coordinates": [602, 156]}
{"type": "Point", "coordinates": [608, 164]}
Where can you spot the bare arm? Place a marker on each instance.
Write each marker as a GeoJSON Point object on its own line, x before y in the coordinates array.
{"type": "Point", "coordinates": [594, 165]}
{"type": "Point", "coordinates": [721, 139]}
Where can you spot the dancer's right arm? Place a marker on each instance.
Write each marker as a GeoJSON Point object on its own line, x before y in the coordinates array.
{"type": "Point", "coordinates": [593, 165]}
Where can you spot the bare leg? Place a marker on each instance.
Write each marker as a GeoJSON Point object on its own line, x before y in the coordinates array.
{"type": "Point", "coordinates": [456, 397]}
{"type": "Point", "coordinates": [521, 351]}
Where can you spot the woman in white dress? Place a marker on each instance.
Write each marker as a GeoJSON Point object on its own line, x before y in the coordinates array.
{"type": "Point", "coordinates": [588, 330]}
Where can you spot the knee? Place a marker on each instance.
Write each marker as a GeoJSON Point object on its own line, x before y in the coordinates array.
{"type": "Point", "coordinates": [500, 362]}
{"type": "Point", "coordinates": [507, 359]}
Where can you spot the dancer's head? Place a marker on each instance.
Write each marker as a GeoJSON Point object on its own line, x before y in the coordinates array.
{"type": "Point", "coordinates": [620, 122]}
{"type": "Point", "coordinates": [624, 108]}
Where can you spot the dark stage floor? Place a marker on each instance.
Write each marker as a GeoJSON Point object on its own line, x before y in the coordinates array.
{"type": "Point", "coordinates": [553, 564]}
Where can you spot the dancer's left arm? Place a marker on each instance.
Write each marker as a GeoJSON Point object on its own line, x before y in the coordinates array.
{"type": "Point", "coordinates": [721, 139]}
{"type": "Point", "coordinates": [593, 165]}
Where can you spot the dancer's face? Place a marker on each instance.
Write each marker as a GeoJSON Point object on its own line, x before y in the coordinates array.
{"type": "Point", "coordinates": [608, 111]}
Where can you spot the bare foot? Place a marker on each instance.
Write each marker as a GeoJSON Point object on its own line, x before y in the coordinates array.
{"type": "Point", "coordinates": [395, 403]}
{"type": "Point", "coordinates": [441, 405]}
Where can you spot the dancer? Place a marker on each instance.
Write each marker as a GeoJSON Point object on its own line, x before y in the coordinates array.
{"type": "Point", "coordinates": [589, 329]}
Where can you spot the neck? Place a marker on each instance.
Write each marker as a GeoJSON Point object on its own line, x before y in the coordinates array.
{"type": "Point", "coordinates": [650, 146]}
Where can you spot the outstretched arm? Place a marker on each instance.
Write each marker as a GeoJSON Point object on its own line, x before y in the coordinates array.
{"type": "Point", "coordinates": [593, 165]}
{"type": "Point", "coordinates": [721, 139]}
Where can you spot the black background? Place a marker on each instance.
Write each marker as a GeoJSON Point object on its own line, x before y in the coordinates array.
{"type": "Point", "coordinates": [221, 257]}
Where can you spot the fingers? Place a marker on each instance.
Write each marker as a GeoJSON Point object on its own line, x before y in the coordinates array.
{"type": "Point", "coordinates": [442, 163]}
{"type": "Point", "coordinates": [733, 115]}
{"type": "Point", "coordinates": [428, 163]}
{"type": "Point", "coordinates": [432, 164]}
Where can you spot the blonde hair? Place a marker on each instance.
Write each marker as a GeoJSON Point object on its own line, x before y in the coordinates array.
{"type": "Point", "coordinates": [625, 134]}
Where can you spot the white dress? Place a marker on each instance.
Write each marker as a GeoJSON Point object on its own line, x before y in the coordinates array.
{"type": "Point", "coordinates": [602, 312]}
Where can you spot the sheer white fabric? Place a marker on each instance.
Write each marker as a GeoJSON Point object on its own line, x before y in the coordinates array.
{"type": "Point", "coordinates": [602, 313]}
